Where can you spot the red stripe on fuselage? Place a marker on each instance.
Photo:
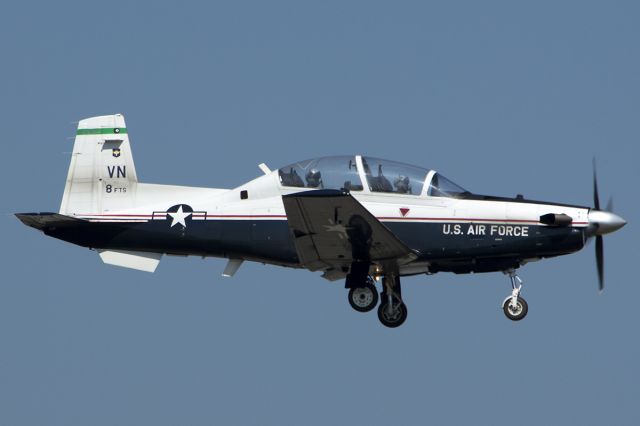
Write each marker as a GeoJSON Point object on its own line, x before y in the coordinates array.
{"type": "Point", "coordinates": [463, 219]}
{"type": "Point", "coordinates": [277, 216]}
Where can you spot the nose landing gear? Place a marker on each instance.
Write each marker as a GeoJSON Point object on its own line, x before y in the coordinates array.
{"type": "Point", "coordinates": [515, 307]}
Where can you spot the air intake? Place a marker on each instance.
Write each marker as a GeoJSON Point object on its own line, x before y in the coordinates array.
{"type": "Point", "coordinates": [555, 219]}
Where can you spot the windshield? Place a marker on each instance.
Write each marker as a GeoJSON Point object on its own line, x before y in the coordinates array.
{"type": "Point", "coordinates": [322, 173]}
{"type": "Point", "coordinates": [390, 176]}
{"type": "Point", "coordinates": [442, 187]}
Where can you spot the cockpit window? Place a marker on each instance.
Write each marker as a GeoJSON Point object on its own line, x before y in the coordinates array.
{"type": "Point", "coordinates": [322, 173]}
{"type": "Point", "coordinates": [442, 187]}
{"type": "Point", "coordinates": [389, 176]}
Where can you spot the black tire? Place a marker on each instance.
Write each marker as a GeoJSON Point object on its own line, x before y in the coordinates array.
{"type": "Point", "coordinates": [519, 312]}
{"type": "Point", "coordinates": [363, 299]}
{"type": "Point", "coordinates": [396, 318]}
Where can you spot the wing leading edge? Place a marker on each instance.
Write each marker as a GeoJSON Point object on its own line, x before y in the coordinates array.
{"type": "Point", "coordinates": [331, 229]}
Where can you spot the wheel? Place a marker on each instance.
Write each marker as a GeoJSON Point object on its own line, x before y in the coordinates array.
{"type": "Point", "coordinates": [392, 319]}
{"type": "Point", "coordinates": [517, 312]}
{"type": "Point", "coordinates": [363, 299]}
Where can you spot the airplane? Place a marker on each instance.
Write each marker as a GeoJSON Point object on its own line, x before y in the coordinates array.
{"type": "Point", "coordinates": [364, 220]}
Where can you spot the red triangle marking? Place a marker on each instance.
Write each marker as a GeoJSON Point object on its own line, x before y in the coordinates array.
{"type": "Point", "coordinates": [404, 211]}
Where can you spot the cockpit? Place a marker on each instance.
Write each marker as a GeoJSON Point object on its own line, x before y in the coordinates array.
{"type": "Point", "coordinates": [368, 174]}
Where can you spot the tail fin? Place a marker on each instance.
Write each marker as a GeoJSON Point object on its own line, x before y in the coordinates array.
{"type": "Point", "coordinates": [102, 176]}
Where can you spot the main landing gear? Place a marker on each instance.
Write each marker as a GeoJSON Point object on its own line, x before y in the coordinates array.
{"type": "Point", "coordinates": [392, 312]}
{"type": "Point", "coordinates": [514, 306]}
{"type": "Point", "coordinates": [365, 298]}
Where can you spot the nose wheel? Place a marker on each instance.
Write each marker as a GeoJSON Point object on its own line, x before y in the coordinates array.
{"type": "Point", "coordinates": [515, 311]}
{"type": "Point", "coordinates": [515, 307]}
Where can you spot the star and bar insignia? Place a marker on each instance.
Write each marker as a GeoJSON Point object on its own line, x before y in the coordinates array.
{"type": "Point", "coordinates": [180, 214]}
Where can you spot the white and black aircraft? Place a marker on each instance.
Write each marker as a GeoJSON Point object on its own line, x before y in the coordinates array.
{"type": "Point", "coordinates": [356, 218]}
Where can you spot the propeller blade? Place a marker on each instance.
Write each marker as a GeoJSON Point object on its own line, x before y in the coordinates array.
{"type": "Point", "coordinates": [600, 261]}
{"type": "Point", "coordinates": [610, 205]}
{"type": "Point", "coordinates": [596, 198]}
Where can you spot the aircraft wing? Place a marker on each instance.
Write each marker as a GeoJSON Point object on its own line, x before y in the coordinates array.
{"type": "Point", "coordinates": [331, 229]}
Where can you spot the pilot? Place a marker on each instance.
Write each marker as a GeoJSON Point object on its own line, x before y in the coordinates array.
{"type": "Point", "coordinates": [380, 183]}
{"type": "Point", "coordinates": [402, 185]}
{"type": "Point", "coordinates": [314, 178]}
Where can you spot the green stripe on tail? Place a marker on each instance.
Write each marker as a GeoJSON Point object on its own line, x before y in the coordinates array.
{"type": "Point", "coordinates": [102, 131]}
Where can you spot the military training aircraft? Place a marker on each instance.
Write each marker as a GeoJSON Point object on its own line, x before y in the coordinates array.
{"type": "Point", "coordinates": [361, 219]}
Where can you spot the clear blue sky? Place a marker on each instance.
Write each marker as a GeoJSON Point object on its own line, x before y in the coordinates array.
{"type": "Point", "coordinates": [503, 98]}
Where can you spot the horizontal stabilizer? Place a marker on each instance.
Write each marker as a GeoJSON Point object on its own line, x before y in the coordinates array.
{"type": "Point", "coordinates": [41, 221]}
{"type": "Point", "coordinates": [140, 260]}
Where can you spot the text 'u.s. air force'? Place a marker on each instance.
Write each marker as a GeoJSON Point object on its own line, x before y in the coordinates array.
{"type": "Point", "coordinates": [492, 230]}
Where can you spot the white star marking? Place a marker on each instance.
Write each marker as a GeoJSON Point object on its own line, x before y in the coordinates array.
{"type": "Point", "coordinates": [179, 217]}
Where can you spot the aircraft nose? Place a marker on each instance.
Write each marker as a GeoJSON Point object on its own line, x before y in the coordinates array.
{"type": "Point", "coordinates": [605, 222]}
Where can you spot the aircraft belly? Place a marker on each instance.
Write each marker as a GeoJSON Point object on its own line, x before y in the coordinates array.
{"type": "Point", "coordinates": [470, 240]}
{"type": "Point", "coordinates": [263, 240]}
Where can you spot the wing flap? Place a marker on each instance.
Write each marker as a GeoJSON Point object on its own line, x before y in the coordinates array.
{"type": "Point", "coordinates": [331, 229]}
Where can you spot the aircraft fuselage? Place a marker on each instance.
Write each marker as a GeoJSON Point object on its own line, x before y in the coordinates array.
{"type": "Point", "coordinates": [443, 237]}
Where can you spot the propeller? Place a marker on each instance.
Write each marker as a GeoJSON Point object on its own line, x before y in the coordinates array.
{"type": "Point", "coordinates": [599, 240]}
{"type": "Point", "coordinates": [602, 222]}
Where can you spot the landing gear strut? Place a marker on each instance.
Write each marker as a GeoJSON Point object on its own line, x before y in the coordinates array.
{"type": "Point", "coordinates": [392, 311]}
{"type": "Point", "coordinates": [514, 306]}
{"type": "Point", "coordinates": [364, 298]}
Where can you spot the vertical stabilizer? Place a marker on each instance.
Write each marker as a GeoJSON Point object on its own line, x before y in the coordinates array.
{"type": "Point", "coordinates": [102, 176]}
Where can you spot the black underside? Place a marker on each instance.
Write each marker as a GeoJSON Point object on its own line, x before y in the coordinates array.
{"type": "Point", "coordinates": [452, 247]}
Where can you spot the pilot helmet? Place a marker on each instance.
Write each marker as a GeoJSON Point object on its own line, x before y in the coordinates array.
{"type": "Point", "coordinates": [402, 185]}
